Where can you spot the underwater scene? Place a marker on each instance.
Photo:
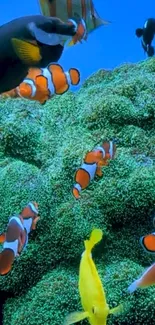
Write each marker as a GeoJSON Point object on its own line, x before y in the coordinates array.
{"type": "Point", "coordinates": [77, 162]}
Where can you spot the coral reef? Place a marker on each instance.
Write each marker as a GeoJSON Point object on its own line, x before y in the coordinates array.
{"type": "Point", "coordinates": [40, 149]}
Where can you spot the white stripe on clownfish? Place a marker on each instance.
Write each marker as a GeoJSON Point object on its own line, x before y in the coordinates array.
{"type": "Point", "coordinates": [68, 78]}
{"type": "Point", "coordinates": [47, 74]}
{"type": "Point", "coordinates": [111, 149]}
{"type": "Point", "coordinates": [101, 149]}
{"type": "Point", "coordinates": [13, 245]}
{"type": "Point", "coordinates": [78, 187]}
{"type": "Point", "coordinates": [90, 169]}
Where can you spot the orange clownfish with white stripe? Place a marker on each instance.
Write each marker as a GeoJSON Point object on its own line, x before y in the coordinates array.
{"type": "Point", "coordinates": [43, 83]}
{"type": "Point", "coordinates": [91, 166]}
{"type": "Point", "coordinates": [16, 237]}
{"type": "Point", "coordinates": [148, 277]}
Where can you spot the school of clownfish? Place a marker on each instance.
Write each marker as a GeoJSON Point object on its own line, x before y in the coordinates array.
{"type": "Point", "coordinates": [32, 46]}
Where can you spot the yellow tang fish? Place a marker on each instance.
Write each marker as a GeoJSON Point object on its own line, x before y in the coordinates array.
{"type": "Point", "coordinates": [92, 294]}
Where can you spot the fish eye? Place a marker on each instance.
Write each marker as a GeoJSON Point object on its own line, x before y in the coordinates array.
{"type": "Point", "coordinates": [93, 310]}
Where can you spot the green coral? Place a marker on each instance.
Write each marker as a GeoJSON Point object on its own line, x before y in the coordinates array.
{"type": "Point", "coordinates": [40, 149]}
{"type": "Point", "coordinates": [56, 295]}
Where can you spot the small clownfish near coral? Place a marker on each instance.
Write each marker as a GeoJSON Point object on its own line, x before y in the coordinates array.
{"type": "Point", "coordinates": [92, 164]}
{"type": "Point", "coordinates": [148, 277]}
{"type": "Point", "coordinates": [91, 291]}
{"type": "Point", "coordinates": [42, 84]}
{"type": "Point", "coordinates": [16, 237]}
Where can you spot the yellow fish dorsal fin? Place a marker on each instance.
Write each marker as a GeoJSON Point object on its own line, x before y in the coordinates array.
{"type": "Point", "coordinates": [95, 237]}
{"type": "Point", "coordinates": [27, 52]}
{"type": "Point", "coordinates": [75, 317]}
{"type": "Point", "coordinates": [118, 309]}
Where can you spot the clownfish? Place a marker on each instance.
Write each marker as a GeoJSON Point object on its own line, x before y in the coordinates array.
{"type": "Point", "coordinates": [92, 294]}
{"type": "Point", "coordinates": [16, 237]}
{"type": "Point", "coordinates": [148, 277]}
{"type": "Point", "coordinates": [33, 41]}
{"type": "Point", "coordinates": [42, 84]}
{"type": "Point", "coordinates": [91, 166]}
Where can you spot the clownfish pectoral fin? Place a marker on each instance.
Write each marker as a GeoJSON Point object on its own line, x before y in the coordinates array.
{"type": "Point", "coordinates": [34, 223]}
{"type": "Point", "coordinates": [95, 237]}
{"type": "Point", "coordinates": [99, 172]}
{"type": "Point", "coordinates": [75, 317]}
{"type": "Point", "coordinates": [2, 238]}
{"type": "Point", "coordinates": [118, 309]}
{"type": "Point", "coordinates": [27, 52]}
{"type": "Point", "coordinates": [74, 76]}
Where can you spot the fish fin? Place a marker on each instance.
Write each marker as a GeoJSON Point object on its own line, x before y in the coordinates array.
{"type": "Point", "coordinates": [2, 238]}
{"type": "Point", "coordinates": [55, 68]}
{"type": "Point", "coordinates": [99, 172]}
{"type": "Point", "coordinates": [75, 317]}
{"type": "Point", "coordinates": [75, 76]}
{"type": "Point", "coordinates": [95, 237]}
{"type": "Point", "coordinates": [27, 52]}
{"type": "Point", "coordinates": [71, 43]}
{"type": "Point", "coordinates": [118, 309]}
{"type": "Point", "coordinates": [139, 32]}
{"type": "Point", "coordinates": [6, 261]}
{"type": "Point", "coordinates": [76, 193]}
{"type": "Point", "coordinates": [34, 223]}
{"type": "Point", "coordinates": [133, 286]}
{"type": "Point", "coordinates": [42, 36]}
{"type": "Point", "coordinates": [105, 22]}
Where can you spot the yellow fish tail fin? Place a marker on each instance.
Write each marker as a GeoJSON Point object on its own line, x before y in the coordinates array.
{"type": "Point", "coordinates": [27, 52]}
{"type": "Point", "coordinates": [118, 309]}
{"type": "Point", "coordinates": [75, 317]}
{"type": "Point", "coordinates": [95, 237]}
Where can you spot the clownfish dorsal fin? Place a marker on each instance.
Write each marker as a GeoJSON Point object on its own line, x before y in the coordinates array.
{"type": "Point", "coordinates": [55, 68]}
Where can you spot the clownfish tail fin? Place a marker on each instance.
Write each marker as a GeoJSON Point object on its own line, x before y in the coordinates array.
{"type": "Point", "coordinates": [95, 237]}
{"type": "Point", "coordinates": [74, 76]}
{"type": "Point", "coordinates": [76, 190]}
{"type": "Point", "coordinates": [6, 261]}
{"type": "Point", "coordinates": [2, 238]}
